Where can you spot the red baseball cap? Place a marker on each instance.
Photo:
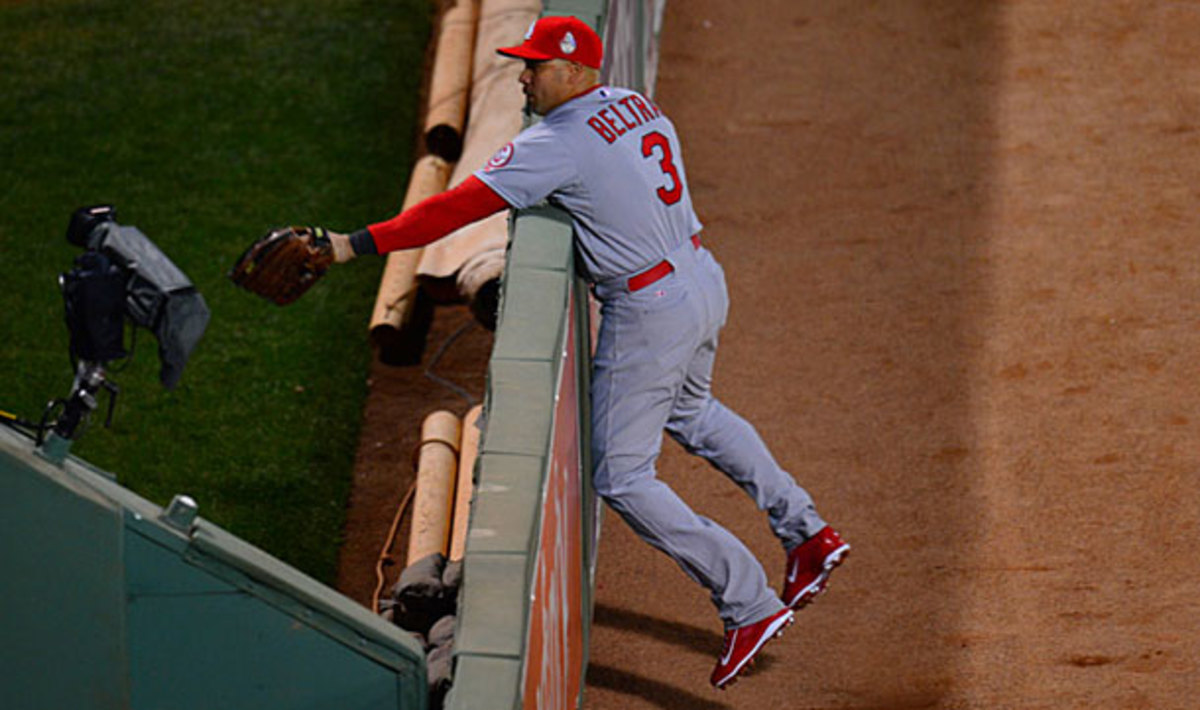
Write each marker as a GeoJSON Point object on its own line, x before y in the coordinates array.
{"type": "Point", "coordinates": [559, 38]}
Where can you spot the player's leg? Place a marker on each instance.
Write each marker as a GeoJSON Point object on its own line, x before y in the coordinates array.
{"type": "Point", "coordinates": [708, 553]}
{"type": "Point", "coordinates": [707, 428]}
{"type": "Point", "coordinates": [640, 363]}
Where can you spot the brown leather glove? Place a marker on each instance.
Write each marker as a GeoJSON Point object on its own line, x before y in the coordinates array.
{"type": "Point", "coordinates": [284, 263]}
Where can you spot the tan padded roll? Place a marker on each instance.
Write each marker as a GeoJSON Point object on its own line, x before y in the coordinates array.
{"type": "Point", "coordinates": [450, 80]}
{"type": "Point", "coordinates": [494, 118]}
{"type": "Point", "coordinates": [398, 285]}
{"type": "Point", "coordinates": [437, 469]}
{"type": "Point", "coordinates": [469, 451]}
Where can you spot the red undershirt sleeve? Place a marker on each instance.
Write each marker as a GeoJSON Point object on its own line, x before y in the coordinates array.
{"type": "Point", "coordinates": [435, 217]}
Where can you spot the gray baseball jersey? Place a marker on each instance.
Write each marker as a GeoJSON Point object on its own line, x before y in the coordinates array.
{"type": "Point", "coordinates": [611, 160]}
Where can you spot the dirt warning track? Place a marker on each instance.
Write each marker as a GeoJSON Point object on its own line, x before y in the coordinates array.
{"type": "Point", "coordinates": [961, 250]}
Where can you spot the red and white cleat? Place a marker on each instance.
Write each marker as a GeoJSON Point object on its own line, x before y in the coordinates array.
{"type": "Point", "coordinates": [809, 565]}
{"type": "Point", "coordinates": [742, 643]}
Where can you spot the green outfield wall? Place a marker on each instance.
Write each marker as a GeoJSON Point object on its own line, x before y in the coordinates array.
{"type": "Point", "coordinates": [526, 601]}
{"type": "Point", "coordinates": [109, 602]}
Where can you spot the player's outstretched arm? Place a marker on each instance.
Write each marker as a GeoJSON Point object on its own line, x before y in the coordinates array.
{"type": "Point", "coordinates": [423, 223]}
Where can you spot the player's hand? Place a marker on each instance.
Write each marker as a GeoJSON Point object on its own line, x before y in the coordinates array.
{"type": "Point", "coordinates": [342, 251]}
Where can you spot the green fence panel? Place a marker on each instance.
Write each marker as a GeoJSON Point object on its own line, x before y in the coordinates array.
{"type": "Point", "coordinates": [502, 542]}
{"type": "Point", "coordinates": [62, 594]}
{"type": "Point", "coordinates": [108, 603]}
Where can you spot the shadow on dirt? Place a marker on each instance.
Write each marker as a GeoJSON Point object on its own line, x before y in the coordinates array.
{"type": "Point", "coordinates": [663, 695]}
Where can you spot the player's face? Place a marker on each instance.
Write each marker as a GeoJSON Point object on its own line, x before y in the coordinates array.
{"type": "Point", "coordinates": [546, 84]}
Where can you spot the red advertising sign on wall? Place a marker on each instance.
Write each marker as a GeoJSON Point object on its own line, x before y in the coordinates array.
{"type": "Point", "coordinates": [554, 649]}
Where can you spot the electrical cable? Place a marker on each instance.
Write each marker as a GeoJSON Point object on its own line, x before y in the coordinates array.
{"type": "Point", "coordinates": [133, 331]}
{"type": "Point", "coordinates": [385, 554]}
{"type": "Point", "coordinates": [460, 391]}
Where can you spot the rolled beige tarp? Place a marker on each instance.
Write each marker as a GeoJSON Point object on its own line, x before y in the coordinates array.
{"type": "Point", "coordinates": [469, 451]}
{"type": "Point", "coordinates": [494, 118]}
{"type": "Point", "coordinates": [450, 80]}
{"type": "Point", "coordinates": [391, 327]}
{"type": "Point", "coordinates": [437, 470]}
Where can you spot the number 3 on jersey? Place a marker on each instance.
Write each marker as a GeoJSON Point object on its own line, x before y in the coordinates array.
{"type": "Point", "coordinates": [656, 142]}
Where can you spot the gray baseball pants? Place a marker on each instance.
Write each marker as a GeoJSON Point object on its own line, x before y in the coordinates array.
{"type": "Point", "coordinates": [653, 371]}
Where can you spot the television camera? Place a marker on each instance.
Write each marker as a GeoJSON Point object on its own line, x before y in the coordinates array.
{"type": "Point", "coordinates": [120, 276]}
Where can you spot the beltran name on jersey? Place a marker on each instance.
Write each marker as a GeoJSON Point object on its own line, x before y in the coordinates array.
{"type": "Point", "coordinates": [611, 159]}
{"type": "Point", "coordinates": [611, 122]}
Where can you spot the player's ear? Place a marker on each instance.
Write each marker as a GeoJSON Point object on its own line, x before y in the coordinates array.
{"type": "Point", "coordinates": [583, 74]}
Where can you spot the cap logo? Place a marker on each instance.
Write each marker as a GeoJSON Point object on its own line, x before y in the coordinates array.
{"type": "Point", "coordinates": [568, 44]}
{"type": "Point", "coordinates": [529, 32]}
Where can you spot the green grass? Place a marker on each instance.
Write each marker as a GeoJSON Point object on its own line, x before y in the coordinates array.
{"type": "Point", "coordinates": [206, 123]}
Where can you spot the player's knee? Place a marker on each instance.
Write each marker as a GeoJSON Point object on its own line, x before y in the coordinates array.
{"type": "Point", "coordinates": [690, 426]}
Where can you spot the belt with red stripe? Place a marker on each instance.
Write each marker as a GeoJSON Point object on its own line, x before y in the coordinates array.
{"type": "Point", "coordinates": [656, 272]}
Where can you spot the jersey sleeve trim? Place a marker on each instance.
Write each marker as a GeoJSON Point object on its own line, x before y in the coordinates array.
{"type": "Point", "coordinates": [530, 168]}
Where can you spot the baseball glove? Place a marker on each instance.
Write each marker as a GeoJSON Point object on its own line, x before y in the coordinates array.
{"type": "Point", "coordinates": [284, 263]}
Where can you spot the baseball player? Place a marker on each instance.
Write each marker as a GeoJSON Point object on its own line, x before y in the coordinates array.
{"type": "Point", "coordinates": [611, 159]}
